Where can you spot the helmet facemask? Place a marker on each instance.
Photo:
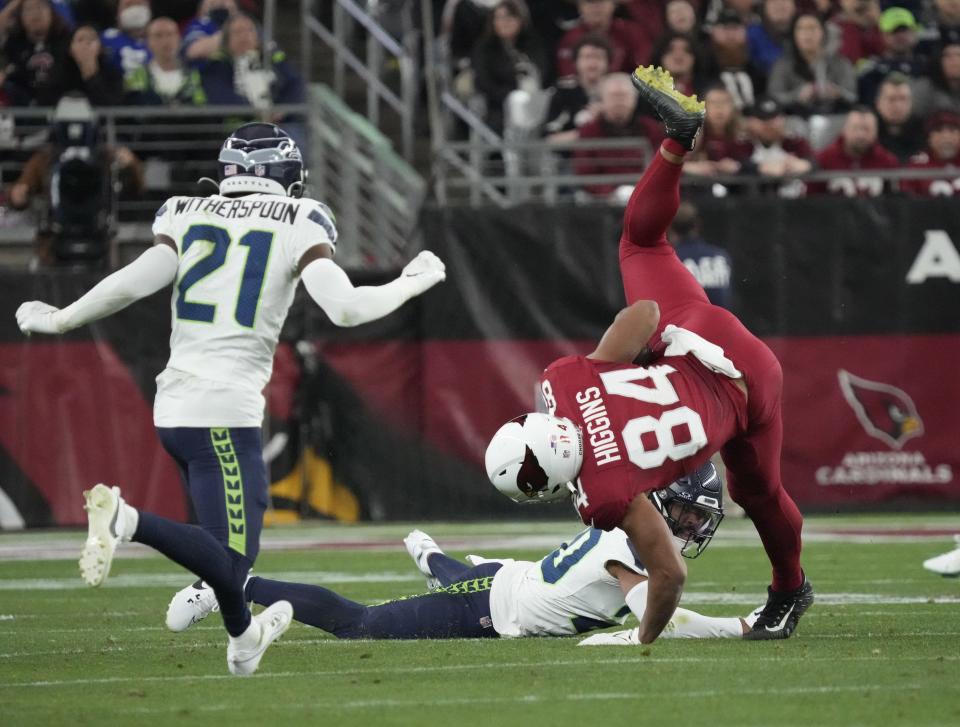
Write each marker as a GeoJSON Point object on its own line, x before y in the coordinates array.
{"type": "Point", "coordinates": [693, 509]}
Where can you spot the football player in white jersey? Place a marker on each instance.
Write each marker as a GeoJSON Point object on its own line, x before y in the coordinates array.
{"type": "Point", "coordinates": [234, 259]}
{"type": "Point", "coordinates": [594, 581]}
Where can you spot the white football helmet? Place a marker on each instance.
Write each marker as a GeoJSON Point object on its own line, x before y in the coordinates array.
{"type": "Point", "coordinates": [534, 457]}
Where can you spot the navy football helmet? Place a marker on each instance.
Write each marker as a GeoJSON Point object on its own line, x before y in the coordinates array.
{"type": "Point", "coordinates": [693, 508]}
{"type": "Point", "coordinates": [261, 157]}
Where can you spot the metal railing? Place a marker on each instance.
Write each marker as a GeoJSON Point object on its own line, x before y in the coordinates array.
{"type": "Point", "coordinates": [382, 52]}
{"type": "Point", "coordinates": [508, 173]}
{"type": "Point", "coordinates": [375, 194]}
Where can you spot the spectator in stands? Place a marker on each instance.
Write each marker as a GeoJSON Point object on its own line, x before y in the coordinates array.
{"type": "Point", "coordinates": [856, 148]}
{"type": "Point", "coordinates": [680, 16]}
{"type": "Point", "coordinates": [8, 11]}
{"type": "Point", "coordinates": [237, 75]}
{"type": "Point", "coordinates": [709, 264]}
{"type": "Point", "coordinates": [35, 52]}
{"type": "Point", "coordinates": [775, 153]}
{"type": "Point", "coordinates": [680, 55]}
{"type": "Point", "coordinates": [947, 22]}
{"type": "Point", "coordinates": [723, 145]}
{"type": "Point", "coordinates": [165, 79]}
{"type": "Point", "coordinates": [575, 101]}
{"type": "Point", "coordinates": [508, 57]}
{"type": "Point", "coordinates": [630, 45]}
{"type": "Point", "coordinates": [809, 79]}
{"type": "Point", "coordinates": [899, 130]}
{"type": "Point", "coordinates": [768, 38]}
{"type": "Point", "coordinates": [87, 70]}
{"type": "Point", "coordinates": [860, 35]}
{"type": "Point", "coordinates": [731, 62]}
{"type": "Point", "coordinates": [462, 22]}
{"type": "Point", "coordinates": [943, 152]}
{"type": "Point", "coordinates": [617, 119]}
{"type": "Point", "coordinates": [125, 42]}
{"type": "Point", "coordinates": [203, 36]}
{"type": "Point", "coordinates": [746, 10]}
{"type": "Point", "coordinates": [649, 14]}
{"type": "Point", "coordinates": [899, 41]}
{"type": "Point", "coordinates": [75, 174]}
{"type": "Point", "coordinates": [941, 91]}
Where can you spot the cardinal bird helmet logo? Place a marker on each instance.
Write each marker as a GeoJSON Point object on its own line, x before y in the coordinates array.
{"type": "Point", "coordinates": [886, 412]}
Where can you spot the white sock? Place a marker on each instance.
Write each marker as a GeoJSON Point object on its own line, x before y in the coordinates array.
{"type": "Point", "coordinates": [249, 638]}
{"type": "Point", "coordinates": [130, 519]}
{"type": "Point", "coordinates": [691, 625]}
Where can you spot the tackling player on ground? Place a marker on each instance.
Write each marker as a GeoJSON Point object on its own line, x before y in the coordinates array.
{"type": "Point", "coordinates": [592, 582]}
{"type": "Point", "coordinates": [235, 259]}
{"type": "Point", "coordinates": [618, 430]}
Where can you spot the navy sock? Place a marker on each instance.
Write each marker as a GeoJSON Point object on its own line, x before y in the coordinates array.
{"type": "Point", "coordinates": [312, 605]}
{"type": "Point", "coordinates": [199, 552]}
{"type": "Point", "coordinates": [447, 569]}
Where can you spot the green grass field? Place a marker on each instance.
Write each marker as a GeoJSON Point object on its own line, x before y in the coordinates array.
{"type": "Point", "coordinates": [880, 647]}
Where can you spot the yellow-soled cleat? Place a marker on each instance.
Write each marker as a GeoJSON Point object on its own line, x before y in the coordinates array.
{"type": "Point", "coordinates": [682, 115]}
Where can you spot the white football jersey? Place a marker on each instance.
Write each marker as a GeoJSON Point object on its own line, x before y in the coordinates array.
{"type": "Point", "coordinates": [236, 280]}
{"type": "Point", "coordinates": [568, 592]}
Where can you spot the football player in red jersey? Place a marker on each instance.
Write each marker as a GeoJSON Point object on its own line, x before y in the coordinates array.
{"type": "Point", "coordinates": [619, 430]}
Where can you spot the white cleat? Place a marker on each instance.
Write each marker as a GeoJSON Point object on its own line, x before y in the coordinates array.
{"type": "Point", "coordinates": [106, 513]}
{"type": "Point", "coordinates": [480, 560]}
{"type": "Point", "coordinates": [947, 564]}
{"type": "Point", "coordinates": [630, 637]}
{"type": "Point", "coordinates": [243, 658]}
{"type": "Point", "coordinates": [191, 605]}
{"type": "Point", "coordinates": [421, 546]}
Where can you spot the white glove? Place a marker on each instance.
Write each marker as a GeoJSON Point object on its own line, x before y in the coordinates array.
{"type": "Point", "coordinates": [423, 272]}
{"type": "Point", "coordinates": [616, 638]}
{"type": "Point", "coordinates": [35, 316]}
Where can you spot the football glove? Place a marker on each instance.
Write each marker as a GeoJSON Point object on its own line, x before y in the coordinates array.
{"type": "Point", "coordinates": [35, 316]}
{"type": "Point", "coordinates": [423, 272]}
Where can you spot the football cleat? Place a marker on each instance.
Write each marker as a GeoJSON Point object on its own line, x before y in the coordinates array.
{"type": "Point", "coordinates": [630, 637]}
{"type": "Point", "coordinates": [243, 658]}
{"type": "Point", "coordinates": [421, 546]}
{"type": "Point", "coordinates": [948, 564]}
{"type": "Point", "coordinates": [682, 115]}
{"type": "Point", "coordinates": [106, 515]}
{"type": "Point", "coordinates": [191, 605]}
{"type": "Point", "coordinates": [780, 615]}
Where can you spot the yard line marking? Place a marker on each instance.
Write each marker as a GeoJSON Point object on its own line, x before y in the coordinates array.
{"type": "Point", "coordinates": [535, 699]}
{"type": "Point", "coordinates": [448, 667]}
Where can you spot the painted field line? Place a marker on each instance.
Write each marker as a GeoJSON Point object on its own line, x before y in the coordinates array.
{"type": "Point", "coordinates": [217, 645]}
{"type": "Point", "coordinates": [480, 666]}
{"type": "Point", "coordinates": [639, 695]}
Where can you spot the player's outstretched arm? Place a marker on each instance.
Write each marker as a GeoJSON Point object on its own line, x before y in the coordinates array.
{"type": "Point", "coordinates": [331, 289]}
{"type": "Point", "coordinates": [629, 333]}
{"type": "Point", "coordinates": [153, 270]}
{"type": "Point", "coordinates": [666, 570]}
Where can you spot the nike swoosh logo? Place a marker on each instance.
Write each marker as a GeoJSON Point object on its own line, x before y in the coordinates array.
{"type": "Point", "coordinates": [782, 621]}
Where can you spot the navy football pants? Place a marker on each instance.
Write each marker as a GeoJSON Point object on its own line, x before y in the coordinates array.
{"type": "Point", "coordinates": [227, 479]}
{"type": "Point", "coordinates": [460, 610]}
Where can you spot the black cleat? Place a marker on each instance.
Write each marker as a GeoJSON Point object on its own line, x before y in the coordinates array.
{"type": "Point", "coordinates": [779, 617]}
{"type": "Point", "coordinates": [682, 115]}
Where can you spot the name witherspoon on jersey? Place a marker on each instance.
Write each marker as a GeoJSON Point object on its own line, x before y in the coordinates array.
{"type": "Point", "coordinates": [278, 210]}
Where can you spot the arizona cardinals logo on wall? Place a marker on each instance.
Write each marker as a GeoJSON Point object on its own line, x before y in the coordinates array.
{"type": "Point", "coordinates": [886, 412]}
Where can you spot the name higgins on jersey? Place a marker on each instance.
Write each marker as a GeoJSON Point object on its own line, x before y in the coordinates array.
{"type": "Point", "coordinates": [231, 209]}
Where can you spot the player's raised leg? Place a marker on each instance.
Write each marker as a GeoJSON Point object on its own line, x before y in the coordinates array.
{"type": "Point", "coordinates": [439, 568]}
{"type": "Point", "coordinates": [648, 264]}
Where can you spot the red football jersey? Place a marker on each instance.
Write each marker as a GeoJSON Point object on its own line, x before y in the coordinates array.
{"type": "Point", "coordinates": [643, 426]}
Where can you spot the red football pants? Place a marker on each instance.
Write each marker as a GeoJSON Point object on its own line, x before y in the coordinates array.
{"type": "Point", "coordinates": [651, 270]}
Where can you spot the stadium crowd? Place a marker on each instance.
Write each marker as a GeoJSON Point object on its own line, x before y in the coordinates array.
{"type": "Point", "coordinates": [792, 86]}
